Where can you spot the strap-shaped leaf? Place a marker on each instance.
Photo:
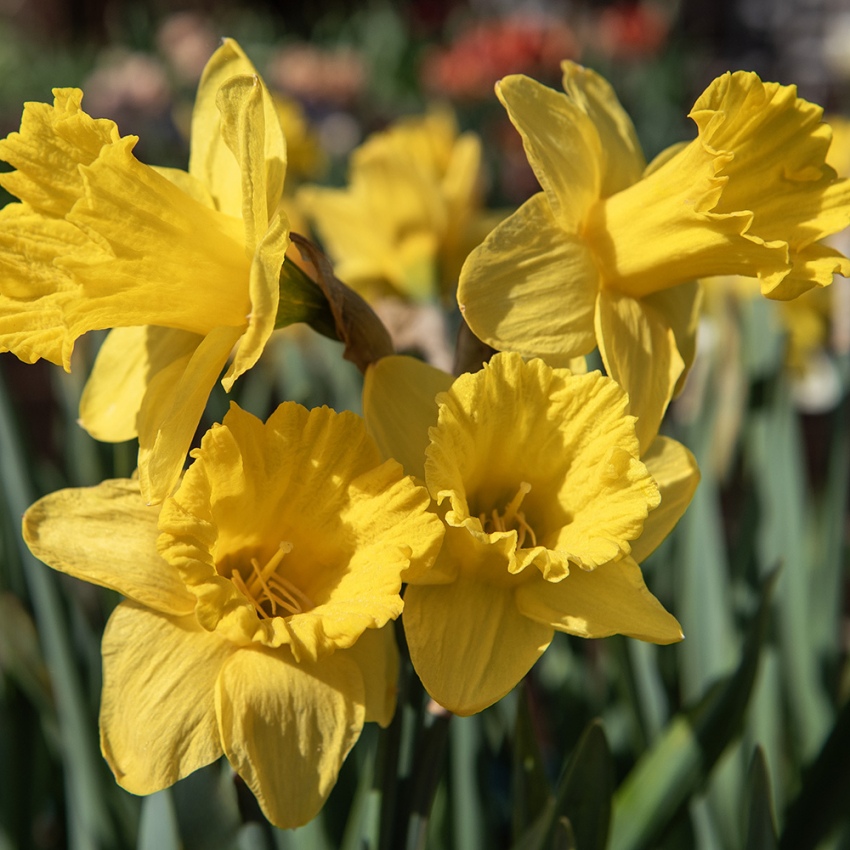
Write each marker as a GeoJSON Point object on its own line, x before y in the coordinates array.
{"type": "Point", "coordinates": [822, 800]}
{"type": "Point", "coordinates": [682, 758]}
{"type": "Point", "coordinates": [579, 814]}
{"type": "Point", "coordinates": [530, 789]}
{"type": "Point", "coordinates": [761, 825]}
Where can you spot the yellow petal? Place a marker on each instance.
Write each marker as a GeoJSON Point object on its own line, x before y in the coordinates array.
{"type": "Point", "coordinates": [354, 236]}
{"type": "Point", "coordinates": [47, 152]}
{"type": "Point", "coordinates": [676, 473]}
{"type": "Point", "coordinates": [126, 363]}
{"type": "Point", "coordinates": [399, 406]}
{"type": "Point", "coordinates": [562, 145]}
{"type": "Point", "coordinates": [138, 244]}
{"type": "Point", "coordinates": [461, 187]}
{"type": "Point", "coordinates": [106, 535]}
{"type": "Point", "coordinates": [468, 642]}
{"type": "Point", "coordinates": [622, 160]}
{"type": "Point", "coordinates": [638, 348]}
{"type": "Point", "coordinates": [665, 156]}
{"type": "Point", "coordinates": [116, 386]}
{"type": "Point", "coordinates": [187, 183]}
{"type": "Point", "coordinates": [610, 600]}
{"type": "Point", "coordinates": [680, 306]}
{"type": "Point", "coordinates": [415, 244]}
{"type": "Point", "coordinates": [156, 245]}
{"type": "Point", "coordinates": [374, 242]}
{"type": "Point", "coordinates": [661, 232]}
{"type": "Point", "coordinates": [211, 160]}
{"type": "Point", "coordinates": [157, 709]}
{"type": "Point", "coordinates": [173, 404]}
{"type": "Point", "coordinates": [240, 102]}
{"type": "Point", "coordinates": [376, 654]}
{"type": "Point", "coordinates": [264, 289]}
{"type": "Point", "coordinates": [531, 287]}
{"type": "Point", "coordinates": [286, 728]}
{"type": "Point", "coordinates": [780, 144]}
{"type": "Point", "coordinates": [34, 293]}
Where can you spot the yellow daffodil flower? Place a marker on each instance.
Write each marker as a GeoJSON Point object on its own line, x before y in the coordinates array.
{"type": "Point", "coordinates": [550, 509]}
{"type": "Point", "coordinates": [184, 265]}
{"type": "Point", "coordinates": [255, 603]}
{"type": "Point", "coordinates": [606, 254]}
{"type": "Point", "coordinates": [411, 212]}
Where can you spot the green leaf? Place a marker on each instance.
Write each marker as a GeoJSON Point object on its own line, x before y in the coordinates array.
{"type": "Point", "coordinates": [564, 837]}
{"type": "Point", "coordinates": [158, 823]}
{"type": "Point", "coordinates": [678, 764]}
{"type": "Point", "coordinates": [822, 801]}
{"type": "Point", "coordinates": [426, 774]}
{"type": "Point", "coordinates": [464, 749]}
{"type": "Point", "coordinates": [530, 789]}
{"type": "Point", "coordinates": [363, 823]}
{"type": "Point", "coordinates": [585, 793]}
{"type": "Point", "coordinates": [761, 828]}
{"type": "Point", "coordinates": [207, 810]}
{"type": "Point", "coordinates": [826, 537]}
{"type": "Point", "coordinates": [253, 836]}
{"type": "Point", "coordinates": [776, 451]}
{"type": "Point", "coordinates": [89, 824]}
{"type": "Point", "coordinates": [582, 802]}
{"type": "Point", "coordinates": [703, 600]}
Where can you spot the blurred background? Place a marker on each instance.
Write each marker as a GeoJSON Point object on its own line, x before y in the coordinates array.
{"type": "Point", "coordinates": [765, 411]}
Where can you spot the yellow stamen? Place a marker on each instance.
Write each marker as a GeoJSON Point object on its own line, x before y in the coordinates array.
{"type": "Point", "coordinates": [236, 578]}
{"type": "Point", "coordinates": [524, 528]}
{"type": "Point", "coordinates": [266, 586]}
{"type": "Point", "coordinates": [262, 582]}
{"type": "Point", "coordinates": [285, 584]}
{"type": "Point", "coordinates": [512, 519]}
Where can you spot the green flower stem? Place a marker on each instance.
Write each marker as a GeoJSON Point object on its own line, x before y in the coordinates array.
{"type": "Point", "coordinates": [427, 771]}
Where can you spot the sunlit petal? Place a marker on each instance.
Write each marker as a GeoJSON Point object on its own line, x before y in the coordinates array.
{"type": "Point", "coordinates": [286, 728]}
{"type": "Point", "coordinates": [610, 600]}
{"type": "Point", "coordinates": [157, 710]}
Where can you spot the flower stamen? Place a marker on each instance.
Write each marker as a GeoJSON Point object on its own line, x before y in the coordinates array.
{"type": "Point", "coordinates": [267, 586]}
{"type": "Point", "coordinates": [513, 518]}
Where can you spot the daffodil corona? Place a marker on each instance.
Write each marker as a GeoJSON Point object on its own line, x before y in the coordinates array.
{"type": "Point", "coordinates": [184, 265]}
{"type": "Point", "coordinates": [255, 603]}
{"type": "Point", "coordinates": [607, 253]}
{"type": "Point", "coordinates": [550, 507]}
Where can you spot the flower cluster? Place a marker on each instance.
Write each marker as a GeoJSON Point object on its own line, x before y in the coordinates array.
{"type": "Point", "coordinates": [514, 500]}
